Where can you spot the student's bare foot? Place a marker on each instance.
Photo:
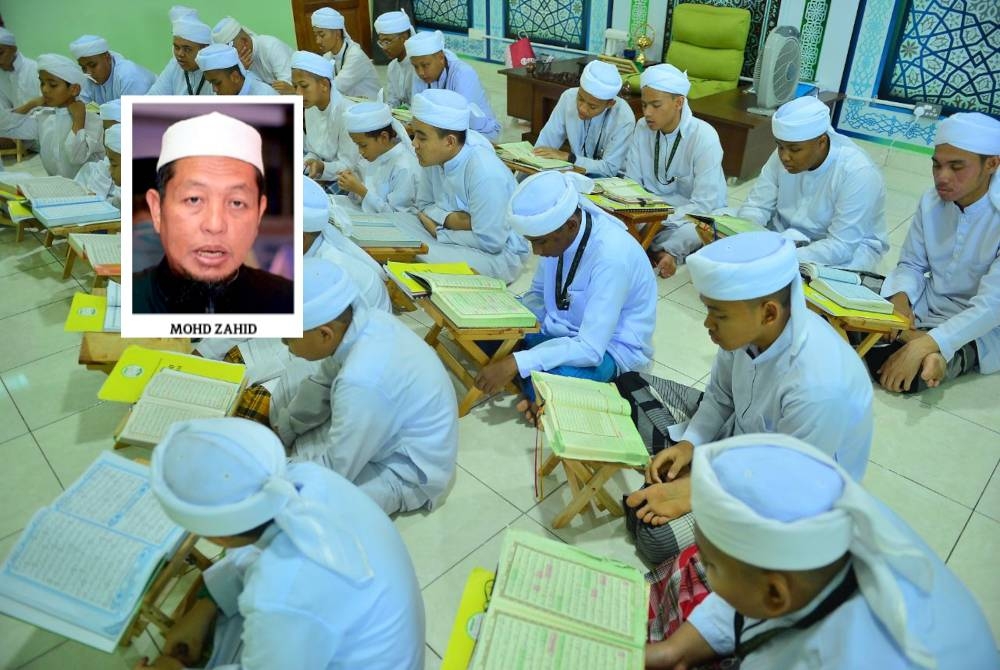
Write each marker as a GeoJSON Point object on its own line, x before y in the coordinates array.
{"type": "Point", "coordinates": [530, 411]}
{"type": "Point", "coordinates": [933, 369]}
{"type": "Point", "coordinates": [665, 264]}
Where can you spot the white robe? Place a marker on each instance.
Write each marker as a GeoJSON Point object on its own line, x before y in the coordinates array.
{"type": "Point", "coordinates": [127, 78]}
{"type": "Point", "coordinates": [399, 90]}
{"type": "Point", "coordinates": [252, 85]}
{"type": "Point", "coordinates": [63, 152]}
{"type": "Point", "coordinates": [600, 143]}
{"type": "Point", "coordinates": [391, 180]}
{"type": "Point", "coordinates": [327, 139]}
{"type": "Point", "coordinates": [172, 81]}
{"type": "Point", "coordinates": [381, 411]}
{"type": "Point", "coordinates": [839, 206]}
{"type": "Point", "coordinates": [95, 176]}
{"type": "Point", "coordinates": [298, 615]}
{"type": "Point", "coordinates": [354, 72]}
{"type": "Point", "coordinates": [16, 88]}
{"type": "Point", "coordinates": [462, 78]}
{"type": "Point", "coordinates": [697, 183]}
{"type": "Point", "coordinates": [272, 59]}
{"type": "Point", "coordinates": [950, 270]}
{"type": "Point", "coordinates": [360, 267]}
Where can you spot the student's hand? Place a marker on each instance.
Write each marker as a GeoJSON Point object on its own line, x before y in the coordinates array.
{"type": "Point", "coordinates": [670, 462]}
{"type": "Point", "coordinates": [186, 638]}
{"type": "Point", "coordinates": [77, 114]}
{"type": "Point", "coordinates": [429, 225]}
{"type": "Point", "coordinates": [899, 370]}
{"type": "Point", "coordinates": [666, 264]}
{"type": "Point", "coordinates": [245, 54]}
{"type": "Point", "coordinates": [495, 376]}
{"type": "Point", "coordinates": [686, 648]}
{"type": "Point", "coordinates": [30, 105]}
{"type": "Point", "coordinates": [314, 168]}
{"type": "Point", "coordinates": [162, 662]}
{"type": "Point", "coordinates": [350, 182]}
{"type": "Point", "coordinates": [658, 504]}
{"type": "Point", "coordinates": [549, 152]}
{"type": "Point", "coordinates": [664, 655]}
{"type": "Point", "coordinates": [458, 221]}
{"type": "Point", "coordinates": [283, 87]}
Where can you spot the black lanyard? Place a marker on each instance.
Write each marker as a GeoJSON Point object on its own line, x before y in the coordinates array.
{"type": "Point", "coordinates": [847, 587]}
{"type": "Point", "coordinates": [670, 158]}
{"type": "Point", "coordinates": [562, 292]}
{"type": "Point", "coordinates": [598, 152]}
{"type": "Point", "coordinates": [188, 82]}
{"type": "Point", "coordinates": [343, 60]}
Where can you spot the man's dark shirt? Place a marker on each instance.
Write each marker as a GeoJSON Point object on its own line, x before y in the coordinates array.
{"type": "Point", "coordinates": [157, 290]}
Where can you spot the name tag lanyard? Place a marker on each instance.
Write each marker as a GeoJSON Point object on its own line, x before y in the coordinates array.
{"type": "Point", "coordinates": [562, 292]}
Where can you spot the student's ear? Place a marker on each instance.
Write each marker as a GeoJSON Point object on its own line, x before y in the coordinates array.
{"type": "Point", "coordinates": [770, 311]}
{"type": "Point", "coordinates": [74, 90]}
{"type": "Point", "coordinates": [778, 597]}
{"type": "Point", "coordinates": [992, 164]}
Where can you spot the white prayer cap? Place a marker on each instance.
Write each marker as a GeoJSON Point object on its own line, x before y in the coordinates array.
{"type": "Point", "coordinates": [775, 502]}
{"type": "Point", "coordinates": [226, 30]}
{"type": "Point", "coordinates": [315, 207]}
{"type": "Point", "coordinates": [191, 29]}
{"type": "Point", "coordinates": [443, 109]}
{"type": "Point", "coordinates": [7, 38]}
{"type": "Point", "coordinates": [544, 201]}
{"type": "Point", "coordinates": [602, 80]}
{"type": "Point", "coordinates": [180, 11]}
{"type": "Point", "coordinates": [314, 63]}
{"type": "Point", "coordinates": [217, 57]}
{"type": "Point", "coordinates": [328, 18]}
{"type": "Point", "coordinates": [667, 78]}
{"type": "Point", "coordinates": [111, 110]}
{"type": "Point", "coordinates": [326, 292]}
{"type": "Point", "coordinates": [113, 138]}
{"type": "Point", "coordinates": [801, 119]}
{"type": "Point", "coordinates": [970, 131]}
{"type": "Point", "coordinates": [226, 476]}
{"type": "Point", "coordinates": [88, 45]}
{"type": "Point", "coordinates": [367, 116]}
{"type": "Point", "coordinates": [393, 22]}
{"type": "Point", "coordinates": [424, 44]}
{"type": "Point", "coordinates": [744, 266]}
{"type": "Point", "coordinates": [62, 67]}
{"type": "Point", "coordinates": [212, 134]}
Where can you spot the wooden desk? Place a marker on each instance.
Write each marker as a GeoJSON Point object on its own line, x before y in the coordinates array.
{"type": "Point", "coordinates": [383, 255]}
{"type": "Point", "coordinates": [96, 227]}
{"type": "Point", "coordinates": [643, 226]}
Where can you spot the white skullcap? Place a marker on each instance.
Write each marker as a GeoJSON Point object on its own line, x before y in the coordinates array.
{"type": "Point", "coordinates": [367, 116]}
{"type": "Point", "coordinates": [315, 207]}
{"type": "Point", "coordinates": [88, 45]}
{"type": "Point", "coordinates": [191, 29]}
{"type": "Point", "coordinates": [776, 503]}
{"type": "Point", "coordinates": [7, 38]}
{"type": "Point", "coordinates": [62, 67]}
{"type": "Point", "coordinates": [544, 201]}
{"type": "Point", "coordinates": [180, 11]}
{"type": "Point", "coordinates": [326, 292]}
{"type": "Point", "coordinates": [111, 110]}
{"type": "Point", "coordinates": [225, 476]}
{"type": "Point", "coordinates": [602, 80]}
{"type": "Point", "coordinates": [442, 108]}
{"type": "Point", "coordinates": [328, 18]}
{"type": "Point", "coordinates": [744, 266]}
{"type": "Point", "coordinates": [226, 30]}
{"type": "Point", "coordinates": [424, 44]}
{"type": "Point", "coordinates": [113, 138]}
{"type": "Point", "coordinates": [801, 119]}
{"type": "Point", "coordinates": [393, 22]}
{"type": "Point", "coordinates": [212, 134]}
{"type": "Point", "coordinates": [217, 57]}
{"type": "Point", "coordinates": [970, 131]}
{"type": "Point", "coordinates": [667, 78]}
{"type": "Point", "coordinates": [314, 63]}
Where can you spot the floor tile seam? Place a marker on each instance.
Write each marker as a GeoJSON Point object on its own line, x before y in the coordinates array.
{"type": "Point", "coordinates": [959, 416]}
{"type": "Point", "coordinates": [4, 371]}
{"type": "Point", "coordinates": [44, 653]}
{"type": "Point", "coordinates": [965, 526]}
{"type": "Point", "coordinates": [925, 486]}
{"type": "Point", "coordinates": [494, 491]}
{"type": "Point", "coordinates": [96, 402]}
{"type": "Point", "coordinates": [32, 307]}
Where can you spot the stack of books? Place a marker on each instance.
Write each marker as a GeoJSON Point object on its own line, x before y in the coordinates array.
{"type": "Point", "coordinates": [399, 274]}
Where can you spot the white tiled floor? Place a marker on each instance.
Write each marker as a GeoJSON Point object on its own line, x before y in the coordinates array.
{"type": "Point", "coordinates": [934, 460]}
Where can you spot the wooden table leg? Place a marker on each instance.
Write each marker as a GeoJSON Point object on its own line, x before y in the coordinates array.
{"type": "Point", "coordinates": [649, 232]}
{"type": "Point", "coordinates": [584, 495]}
{"type": "Point", "coordinates": [49, 238]}
{"type": "Point", "coordinates": [868, 343]}
{"type": "Point", "coordinates": [479, 357]}
{"type": "Point", "coordinates": [70, 259]}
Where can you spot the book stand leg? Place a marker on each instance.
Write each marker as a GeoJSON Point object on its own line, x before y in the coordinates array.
{"type": "Point", "coordinates": [644, 234]}
{"type": "Point", "coordinates": [467, 343]}
{"type": "Point", "coordinates": [872, 334]}
{"type": "Point", "coordinates": [586, 480]}
{"type": "Point", "coordinates": [71, 255]}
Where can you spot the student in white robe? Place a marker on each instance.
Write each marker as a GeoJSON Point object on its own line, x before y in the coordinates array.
{"type": "Point", "coordinates": [809, 570]}
{"type": "Point", "coordinates": [180, 11]}
{"type": "Point", "coordinates": [393, 29]}
{"type": "Point", "coordinates": [820, 189]}
{"type": "Point", "coordinates": [181, 76]}
{"type": "Point", "coordinates": [437, 67]}
{"type": "Point", "coordinates": [381, 411]}
{"type": "Point", "coordinates": [104, 177]}
{"type": "Point", "coordinates": [595, 122]}
{"type": "Point", "coordinates": [948, 277]}
{"type": "Point", "coordinates": [18, 89]}
{"type": "Point", "coordinates": [329, 149]}
{"type": "Point", "coordinates": [780, 368]}
{"type": "Point", "coordinates": [353, 70]}
{"type": "Point", "coordinates": [464, 190]}
{"type": "Point", "coordinates": [315, 576]}
{"type": "Point", "coordinates": [223, 70]}
{"type": "Point", "coordinates": [592, 293]}
{"type": "Point", "coordinates": [388, 172]}
{"type": "Point", "coordinates": [267, 57]}
{"type": "Point", "coordinates": [676, 156]}
{"type": "Point", "coordinates": [110, 75]}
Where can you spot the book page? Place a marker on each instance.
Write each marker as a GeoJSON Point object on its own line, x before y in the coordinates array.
{"type": "Point", "coordinates": [103, 249]}
{"type": "Point", "coordinates": [51, 187]}
{"type": "Point", "coordinates": [577, 420]}
{"type": "Point", "coordinates": [192, 390]}
{"type": "Point", "coordinates": [582, 393]}
{"type": "Point", "coordinates": [150, 419]}
{"type": "Point", "coordinates": [441, 282]}
{"type": "Point", "coordinates": [482, 303]}
{"type": "Point", "coordinates": [77, 213]}
{"type": "Point", "coordinates": [266, 358]}
{"type": "Point", "coordinates": [523, 152]}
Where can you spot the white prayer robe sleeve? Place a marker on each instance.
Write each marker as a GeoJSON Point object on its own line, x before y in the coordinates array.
{"type": "Point", "coordinates": [852, 220]}
{"type": "Point", "coordinates": [762, 200]}
{"type": "Point", "coordinates": [487, 210]}
{"type": "Point", "coordinates": [400, 176]}
{"type": "Point", "coordinates": [359, 428]}
{"type": "Point", "coordinates": [975, 321]}
{"type": "Point", "coordinates": [225, 579]}
{"type": "Point", "coordinates": [164, 84]}
{"type": "Point", "coordinates": [357, 76]}
{"type": "Point", "coordinates": [717, 406]}
{"type": "Point", "coordinates": [79, 146]}
{"type": "Point", "coordinates": [713, 619]}
{"type": "Point", "coordinates": [310, 405]}
{"type": "Point", "coordinates": [275, 638]}
{"type": "Point", "coordinates": [910, 274]}
{"type": "Point", "coordinates": [272, 59]}
{"type": "Point", "coordinates": [534, 297]}
{"type": "Point", "coordinates": [553, 133]}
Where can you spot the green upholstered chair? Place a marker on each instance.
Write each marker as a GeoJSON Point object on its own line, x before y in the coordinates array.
{"type": "Point", "coordinates": [708, 43]}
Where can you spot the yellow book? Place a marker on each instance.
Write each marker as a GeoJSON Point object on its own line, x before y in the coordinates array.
{"type": "Point", "coordinates": [86, 314]}
{"type": "Point", "coordinates": [556, 606]}
{"type": "Point", "coordinates": [137, 365]}
{"type": "Point", "coordinates": [475, 301]}
{"type": "Point", "coordinates": [18, 211]}
{"type": "Point", "coordinates": [400, 274]}
{"type": "Point", "coordinates": [465, 629]}
{"type": "Point", "coordinates": [832, 308]}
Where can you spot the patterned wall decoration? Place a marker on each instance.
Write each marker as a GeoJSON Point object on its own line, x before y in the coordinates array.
{"type": "Point", "coordinates": [560, 22]}
{"type": "Point", "coordinates": [948, 52]}
{"type": "Point", "coordinates": [763, 17]}
{"type": "Point", "coordinates": [811, 35]}
{"type": "Point", "coordinates": [443, 14]}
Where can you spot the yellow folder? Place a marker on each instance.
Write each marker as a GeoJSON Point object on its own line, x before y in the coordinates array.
{"type": "Point", "coordinates": [137, 366]}
{"type": "Point", "coordinates": [461, 643]}
{"type": "Point", "coordinates": [86, 313]}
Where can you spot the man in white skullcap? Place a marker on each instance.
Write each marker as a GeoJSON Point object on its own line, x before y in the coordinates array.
{"type": "Point", "coordinates": [223, 70]}
{"type": "Point", "coordinates": [780, 368]}
{"type": "Point", "coordinates": [808, 569]}
{"type": "Point", "coordinates": [181, 76]}
{"type": "Point", "coordinates": [180, 11]}
{"type": "Point", "coordinates": [393, 29]}
{"type": "Point", "coordinates": [948, 277]}
{"type": "Point", "coordinates": [678, 157]}
{"type": "Point", "coordinates": [104, 177]}
{"type": "Point", "coordinates": [820, 189]}
{"type": "Point", "coordinates": [437, 67]}
{"type": "Point", "coordinates": [595, 122]}
{"type": "Point", "coordinates": [329, 149]}
{"type": "Point", "coordinates": [267, 57]}
{"type": "Point", "coordinates": [110, 113]}
{"type": "Point", "coordinates": [463, 195]}
{"type": "Point", "coordinates": [354, 72]}
{"type": "Point", "coordinates": [110, 75]}
{"type": "Point", "coordinates": [18, 89]}
{"type": "Point", "coordinates": [207, 207]}
{"type": "Point", "coordinates": [381, 411]}
{"type": "Point", "coordinates": [592, 293]}
{"type": "Point", "coordinates": [388, 172]}
{"type": "Point", "coordinates": [315, 576]}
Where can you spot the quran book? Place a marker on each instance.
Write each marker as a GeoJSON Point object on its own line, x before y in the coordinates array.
{"type": "Point", "coordinates": [40, 188]}
{"type": "Point", "coordinates": [87, 314]}
{"type": "Point", "coordinates": [475, 301]}
{"type": "Point", "coordinates": [816, 271]}
{"type": "Point", "coordinates": [556, 606]}
{"type": "Point", "coordinates": [625, 191]}
{"type": "Point", "coordinates": [101, 250]}
{"type": "Point", "coordinates": [137, 365]}
{"type": "Point", "coordinates": [586, 420]}
{"type": "Point", "coordinates": [523, 153]}
{"type": "Point", "coordinates": [724, 225]}
{"type": "Point", "coordinates": [609, 205]}
{"type": "Point", "coordinates": [382, 230]}
{"type": "Point", "coordinates": [833, 308]}
{"type": "Point", "coordinates": [77, 213]}
{"type": "Point", "coordinates": [472, 607]}
{"type": "Point", "coordinates": [852, 296]}
{"type": "Point", "coordinates": [403, 115]}
{"type": "Point", "coordinates": [399, 273]}
{"type": "Point", "coordinates": [10, 183]}
{"type": "Point", "coordinates": [19, 212]}
{"type": "Point", "coordinates": [82, 565]}
{"type": "Point", "coordinates": [265, 358]}
{"type": "Point", "coordinates": [172, 396]}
